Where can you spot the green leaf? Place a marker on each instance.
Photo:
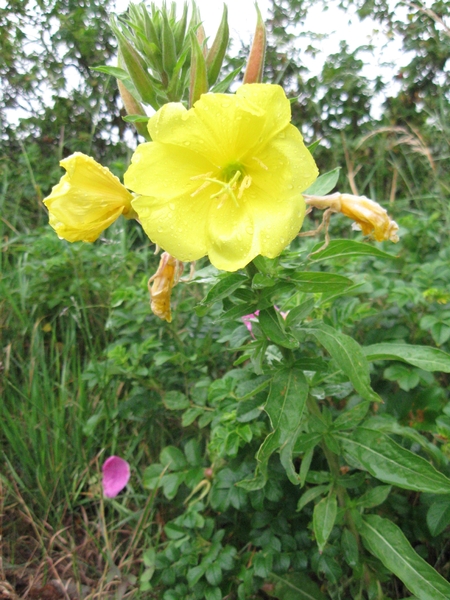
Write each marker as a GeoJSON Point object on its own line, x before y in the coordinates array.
{"type": "Point", "coordinates": [270, 323]}
{"type": "Point", "coordinates": [224, 287]}
{"type": "Point", "coordinates": [285, 405]}
{"type": "Point", "coordinates": [324, 183]}
{"type": "Point", "coordinates": [223, 85]}
{"type": "Point", "coordinates": [314, 282]}
{"type": "Point", "coordinates": [311, 494]}
{"type": "Point", "coordinates": [172, 458]}
{"type": "Point", "coordinates": [438, 516]}
{"type": "Point", "coordinates": [296, 586]}
{"type": "Point", "coordinates": [387, 542]}
{"type": "Point", "coordinates": [170, 484]}
{"type": "Point", "coordinates": [249, 388]}
{"type": "Point", "coordinates": [350, 418]}
{"type": "Point", "coordinates": [350, 548]}
{"type": "Point", "coordinates": [346, 248]}
{"type": "Point", "coordinates": [348, 354]}
{"type": "Point", "coordinates": [389, 462]}
{"type": "Point", "coordinates": [190, 415]}
{"type": "Point", "coordinates": [174, 400]}
{"type": "Point", "coordinates": [174, 532]}
{"type": "Point", "coordinates": [374, 497]}
{"type": "Point", "coordinates": [136, 118]}
{"type": "Point", "coordinates": [213, 574]}
{"type": "Point", "coordinates": [424, 357]}
{"type": "Point", "coordinates": [324, 517]}
{"type": "Point", "coordinates": [299, 313]}
{"type": "Point", "coordinates": [195, 574]}
{"type": "Point", "coordinates": [152, 476]}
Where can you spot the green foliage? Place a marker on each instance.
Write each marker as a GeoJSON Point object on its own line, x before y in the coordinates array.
{"type": "Point", "coordinates": [298, 455]}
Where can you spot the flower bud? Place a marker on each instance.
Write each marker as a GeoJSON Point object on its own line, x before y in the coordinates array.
{"type": "Point", "coordinates": [216, 54]}
{"type": "Point", "coordinates": [255, 65]}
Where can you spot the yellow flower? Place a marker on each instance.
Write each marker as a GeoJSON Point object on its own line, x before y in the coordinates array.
{"type": "Point", "coordinates": [87, 200]}
{"type": "Point", "coordinates": [223, 179]}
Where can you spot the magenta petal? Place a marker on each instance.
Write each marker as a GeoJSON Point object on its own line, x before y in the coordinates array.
{"type": "Point", "coordinates": [116, 474]}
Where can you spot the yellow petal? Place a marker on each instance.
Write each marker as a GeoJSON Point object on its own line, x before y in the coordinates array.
{"type": "Point", "coordinates": [224, 178]}
{"type": "Point", "coordinates": [87, 200]}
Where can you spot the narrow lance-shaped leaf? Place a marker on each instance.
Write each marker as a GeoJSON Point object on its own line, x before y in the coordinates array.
{"type": "Point", "coordinates": [180, 29]}
{"type": "Point", "coordinates": [324, 516]}
{"type": "Point", "coordinates": [424, 357]}
{"type": "Point", "coordinates": [169, 52]}
{"type": "Point", "coordinates": [389, 462]}
{"type": "Point", "coordinates": [216, 54]}
{"type": "Point", "coordinates": [387, 542]}
{"type": "Point", "coordinates": [255, 65]}
{"type": "Point", "coordinates": [136, 68]}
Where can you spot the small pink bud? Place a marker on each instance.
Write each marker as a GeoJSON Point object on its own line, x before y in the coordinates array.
{"type": "Point", "coordinates": [116, 474]}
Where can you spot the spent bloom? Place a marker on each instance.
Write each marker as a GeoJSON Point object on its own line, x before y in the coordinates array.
{"type": "Point", "coordinates": [87, 200]}
{"type": "Point", "coordinates": [368, 216]}
{"type": "Point", "coordinates": [162, 282]}
{"type": "Point", "coordinates": [224, 178]}
{"type": "Point", "coordinates": [116, 474]}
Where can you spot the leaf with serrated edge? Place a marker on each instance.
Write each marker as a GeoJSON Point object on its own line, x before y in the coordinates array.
{"type": "Point", "coordinates": [387, 542]}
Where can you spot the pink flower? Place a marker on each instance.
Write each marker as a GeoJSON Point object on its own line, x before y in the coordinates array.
{"type": "Point", "coordinates": [254, 317]}
{"type": "Point", "coordinates": [116, 474]}
{"type": "Point", "coordinates": [248, 320]}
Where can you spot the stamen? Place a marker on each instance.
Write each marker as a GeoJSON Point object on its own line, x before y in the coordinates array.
{"type": "Point", "coordinates": [260, 163]}
{"type": "Point", "coordinates": [201, 188]}
{"type": "Point", "coordinates": [228, 188]}
{"type": "Point", "coordinates": [204, 176]}
{"type": "Point", "coordinates": [245, 184]}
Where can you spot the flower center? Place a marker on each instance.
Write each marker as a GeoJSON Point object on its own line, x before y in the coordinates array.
{"type": "Point", "coordinates": [233, 183]}
{"type": "Point", "coordinates": [230, 171]}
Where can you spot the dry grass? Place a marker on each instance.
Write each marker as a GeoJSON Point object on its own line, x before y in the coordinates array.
{"type": "Point", "coordinates": [90, 556]}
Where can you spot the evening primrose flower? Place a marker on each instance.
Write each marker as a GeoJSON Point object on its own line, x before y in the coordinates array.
{"type": "Point", "coordinates": [87, 200]}
{"type": "Point", "coordinates": [224, 178]}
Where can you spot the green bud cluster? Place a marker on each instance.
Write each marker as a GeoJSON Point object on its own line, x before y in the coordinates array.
{"type": "Point", "coordinates": [164, 59]}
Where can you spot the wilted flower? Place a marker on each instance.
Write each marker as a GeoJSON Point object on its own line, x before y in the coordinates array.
{"type": "Point", "coordinates": [368, 215]}
{"type": "Point", "coordinates": [164, 280]}
{"type": "Point", "coordinates": [116, 474]}
{"type": "Point", "coordinates": [87, 200]}
{"type": "Point", "coordinates": [223, 179]}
